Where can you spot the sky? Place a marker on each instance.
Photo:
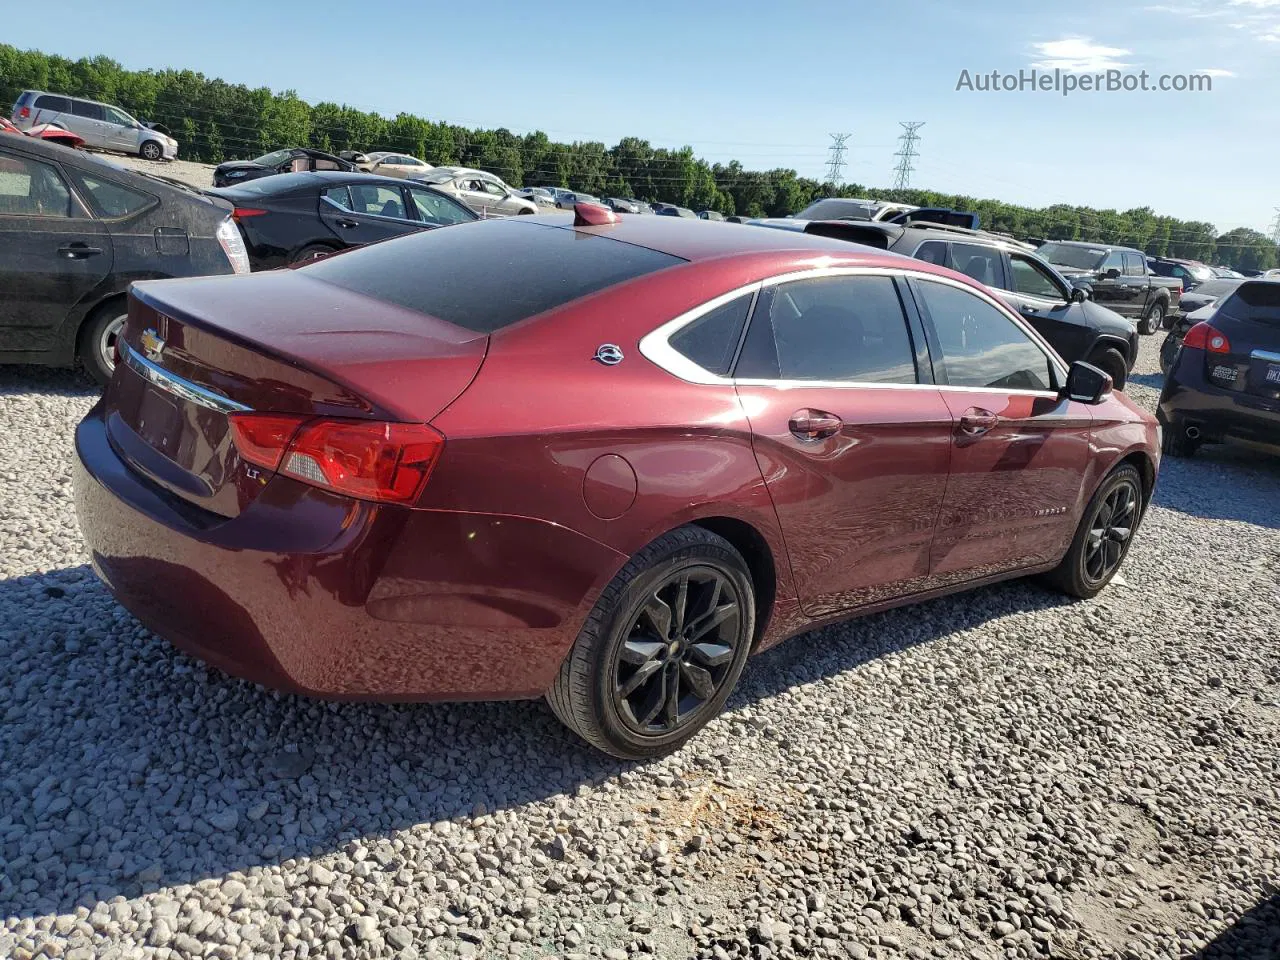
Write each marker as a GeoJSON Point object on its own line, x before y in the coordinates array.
{"type": "Point", "coordinates": [767, 83]}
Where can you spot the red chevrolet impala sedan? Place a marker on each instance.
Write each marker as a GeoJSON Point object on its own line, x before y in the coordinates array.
{"type": "Point", "coordinates": [600, 462]}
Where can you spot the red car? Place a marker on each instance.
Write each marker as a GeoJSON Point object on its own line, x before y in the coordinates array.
{"type": "Point", "coordinates": [596, 461]}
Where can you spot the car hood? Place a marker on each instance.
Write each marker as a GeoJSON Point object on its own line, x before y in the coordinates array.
{"type": "Point", "coordinates": [1073, 273]}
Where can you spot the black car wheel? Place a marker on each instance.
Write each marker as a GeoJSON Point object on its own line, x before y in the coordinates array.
{"type": "Point", "coordinates": [1103, 538]}
{"type": "Point", "coordinates": [97, 348]}
{"type": "Point", "coordinates": [1169, 352]}
{"type": "Point", "coordinates": [312, 251]}
{"type": "Point", "coordinates": [151, 150]}
{"type": "Point", "coordinates": [1111, 362]}
{"type": "Point", "coordinates": [662, 649]}
{"type": "Point", "coordinates": [1154, 319]}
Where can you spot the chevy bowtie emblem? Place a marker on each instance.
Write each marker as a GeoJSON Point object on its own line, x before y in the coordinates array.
{"type": "Point", "coordinates": [609, 354]}
{"type": "Point", "coordinates": [152, 345]}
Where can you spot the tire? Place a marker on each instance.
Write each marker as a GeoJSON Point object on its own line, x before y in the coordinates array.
{"type": "Point", "coordinates": [1080, 574]}
{"type": "Point", "coordinates": [96, 348]}
{"type": "Point", "coordinates": [1169, 353]}
{"type": "Point", "coordinates": [312, 251]}
{"type": "Point", "coordinates": [1111, 362]}
{"type": "Point", "coordinates": [622, 645]}
{"type": "Point", "coordinates": [150, 150]}
{"type": "Point", "coordinates": [1154, 320]}
{"type": "Point", "coordinates": [1175, 443]}
{"type": "Point", "coordinates": [524, 210]}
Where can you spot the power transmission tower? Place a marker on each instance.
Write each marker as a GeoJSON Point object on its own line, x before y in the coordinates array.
{"type": "Point", "coordinates": [1275, 227]}
{"type": "Point", "coordinates": [906, 153]}
{"type": "Point", "coordinates": [835, 165]}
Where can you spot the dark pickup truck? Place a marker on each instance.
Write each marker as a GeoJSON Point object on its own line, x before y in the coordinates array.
{"type": "Point", "coordinates": [1117, 278]}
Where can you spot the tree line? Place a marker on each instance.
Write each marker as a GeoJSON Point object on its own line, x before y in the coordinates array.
{"type": "Point", "coordinates": [214, 121]}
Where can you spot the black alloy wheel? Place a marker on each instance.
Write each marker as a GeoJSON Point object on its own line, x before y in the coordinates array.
{"type": "Point", "coordinates": [678, 651]}
{"type": "Point", "coordinates": [1110, 530]}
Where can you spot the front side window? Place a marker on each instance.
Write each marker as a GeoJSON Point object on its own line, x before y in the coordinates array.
{"type": "Point", "coordinates": [1113, 261]}
{"type": "Point", "coordinates": [1032, 280]}
{"type": "Point", "coordinates": [111, 199]}
{"type": "Point", "coordinates": [981, 346]}
{"type": "Point", "coordinates": [118, 117]}
{"type": "Point", "coordinates": [377, 200]}
{"type": "Point", "coordinates": [493, 189]}
{"type": "Point", "coordinates": [29, 188]}
{"type": "Point", "coordinates": [843, 328]}
{"type": "Point", "coordinates": [712, 339]}
{"type": "Point", "coordinates": [433, 208]}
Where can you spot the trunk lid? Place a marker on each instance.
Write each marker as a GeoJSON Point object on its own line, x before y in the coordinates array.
{"type": "Point", "coordinates": [196, 351]}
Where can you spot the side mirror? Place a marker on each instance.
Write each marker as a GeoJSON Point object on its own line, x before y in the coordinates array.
{"type": "Point", "coordinates": [1111, 274]}
{"type": "Point", "coordinates": [1079, 294]}
{"type": "Point", "coordinates": [1086, 383]}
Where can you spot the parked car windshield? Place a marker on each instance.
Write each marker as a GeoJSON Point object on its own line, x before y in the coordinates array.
{"type": "Point", "coordinates": [1069, 255]}
{"type": "Point", "coordinates": [273, 158]}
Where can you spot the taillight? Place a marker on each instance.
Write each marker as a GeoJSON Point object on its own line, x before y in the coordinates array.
{"type": "Point", "coordinates": [369, 460]}
{"type": "Point", "coordinates": [239, 213]}
{"type": "Point", "coordinates": [232, 244]}
{"type": "Point", "coordinates": [24, 112]}
{"type": "Point", "coordinates": [1204, 337]}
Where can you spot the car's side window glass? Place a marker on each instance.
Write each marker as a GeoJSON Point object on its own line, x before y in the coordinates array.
{"type": "Point", "coordinates": [29, 188]}
{"type": "Point", "coordinates": [1112, 262]}
{"type": "Point", "coordinates": [981, 346]}
{"type": "Point", "coordinates": [118, 117]}
{"type": "Point", "coordinates": [53, 104]}
{"type": "Point", "coordinates": [339, 196]}
{"type": "Point", "coordinates": [980, 263]}
{"type": "Point", "coordinates": [932, 251]}
{"type": "Point", "coordinates": [322, 164]}
{"type": "Point", "coordinates": [493, 188]}
{"type": "Point", "coordinates": [843, 328]}
{"type": "Point", "coordinates": [1133, 266]}
{"type": "Point", "coordinates": [111, 199]}
{"type": "Point", "coordinates": [712, 339]}
{"type": "Point", "coordinates": [1031, 279]}
{"type": "Point", "coordinates": [92, 111]}
{"type": "Point", "coordinates": [377, 200]}
{"type": "Point", "coordinates": [433, 208]}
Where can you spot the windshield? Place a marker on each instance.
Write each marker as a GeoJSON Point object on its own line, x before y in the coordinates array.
{"type": "Point", "coordinates": [273, 158]}
{"type": "Point", "coordinates": [1070, 255]}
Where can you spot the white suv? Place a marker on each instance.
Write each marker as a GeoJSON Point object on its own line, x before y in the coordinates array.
{"type": "Point", "coordinates": [103, 126]}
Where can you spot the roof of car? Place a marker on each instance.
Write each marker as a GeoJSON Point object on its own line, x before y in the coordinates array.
{"type": "Point", "coordinates": [1095, 246]}
{"type": "Point", "coordinates": [693, 239]}
{"type": "Point", "coordinates": [284, 182]}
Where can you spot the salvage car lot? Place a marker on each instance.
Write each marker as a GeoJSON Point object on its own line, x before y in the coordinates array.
{"type": "Point", "coordinates": [996, 773]}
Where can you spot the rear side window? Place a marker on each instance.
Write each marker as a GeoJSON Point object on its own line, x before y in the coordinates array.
{"type": "Point", "coordinates": [111, 199]}
{"type": "Point", "coordinates": [843, 329]}
{"type": "Point", "coordinates": [712, 339]}
{"type": "Point", "coordinates": [1134, 265]}
{"type": "Point", "coordinates": [488, 275]}
{"type": "Point", "coordinates": [981, 347]}
{"type": "Point", "coordinates": [981, 263]}
{"type": "Point", "coordinates": [83, 108]}
{"type": "Point", "coordinates": [932, 251]}
{"type": "Point", "coordinates": [53, 104]}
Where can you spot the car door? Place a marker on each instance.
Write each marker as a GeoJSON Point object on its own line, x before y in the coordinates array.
{"type": "Point", "coordinates": [87, 119]}
{"type": "Point", "coordinates": [436, 210]}
{"type": "Point", "coordinates": [1019, 451]}
{"type": "Point", "coordinates": [120, 131]}
{"type": "Point", "coordinates": [852, 438]}
{"type": "Point", "coordinates": [362, 213]}
{"type": "Point", "coordinates": [1135, 281]}
{"type": "Point", "coordinates": [497, 198]}
{"type": "Point", "coordinates": [1045, 302]}
{"type": "Point", "coordinates": [52, 253]}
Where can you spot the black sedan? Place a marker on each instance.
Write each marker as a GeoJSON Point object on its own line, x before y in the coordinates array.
{"type": "Point", "coordinates": [1224, 383]}
{"type": "Point", "coordinates": [290, 160]}
{"type": "Point", "coordinates": [301, 216]}
{"type": "Point", "coordinates": [75, 231]}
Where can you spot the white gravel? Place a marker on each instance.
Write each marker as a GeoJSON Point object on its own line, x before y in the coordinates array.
{"type": "Point", "coordinates": [1000, 774]}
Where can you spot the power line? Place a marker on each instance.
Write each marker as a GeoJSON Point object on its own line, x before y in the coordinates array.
{"type": "Point", "coordinates": [906, 153]}
{"type": "Point", "coordinates": [835, 165]}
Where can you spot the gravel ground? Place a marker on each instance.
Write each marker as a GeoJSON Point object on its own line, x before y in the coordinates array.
{"type": "Point", "coordinates": [1000, 774]}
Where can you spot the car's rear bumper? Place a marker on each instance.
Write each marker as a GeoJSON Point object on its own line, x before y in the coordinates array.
{"type": "Point", "coordinates": [1190, 401]}
{"type": "Point", "coordinates": [313, 593]}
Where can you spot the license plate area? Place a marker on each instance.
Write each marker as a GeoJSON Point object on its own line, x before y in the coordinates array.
{"type": "Point", "coordinates": [159, 421]}
{"type": "Point", "coordinates": [1273, 374]}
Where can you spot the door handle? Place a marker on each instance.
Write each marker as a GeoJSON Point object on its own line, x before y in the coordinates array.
{"type": "Point", "coordinates": [811, 425]}
{"type": "Point", "coordinates": [977, 421]}
{"type": "Point", "coordinates": [1027, 308]}
{"type": "Point", "coordinates": [346, 224]}
{"type": "Point", "coordinates": [78, 250]}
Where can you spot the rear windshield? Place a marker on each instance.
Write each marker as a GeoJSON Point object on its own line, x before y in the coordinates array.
{"type": "Point", "coordinates": [1216, 288]}
{"type": "Point", "coordinates": [1258, 301]}
{"type": "Point", "coordinates": [836, 208]}
{"type": "Point", "coordinates": [485, 276]}
{"type": "Point", "coordinates": [1069, 255]}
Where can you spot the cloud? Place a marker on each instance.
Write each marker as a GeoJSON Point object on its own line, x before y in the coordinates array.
{"type": "Point", "coordinates": [1259, 4]}
{"type": "Point", "coordinates": [1214, 72]}
{"type": "Point", "coordinates": [1079, 55]}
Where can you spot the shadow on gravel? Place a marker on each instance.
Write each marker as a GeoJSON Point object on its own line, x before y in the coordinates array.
{"type": "Point", "coordinates": [28, 379]}
{"type": "Point", "coordinates": [126, 766]}
{"type": "Point", "coordinates": [1153, 380]}
{"type": "Point", "coordinates": [1255, 936]}
{"type": "Point", "coordinates": [1222, 482]}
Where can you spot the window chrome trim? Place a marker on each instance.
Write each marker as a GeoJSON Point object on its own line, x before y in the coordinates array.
{"type": "Point", "coordinates": [656, 346]}
{"type": "Point", "coordinates": [159, 377]}
{"type": "Point", "coordinates": [1268, 355]}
